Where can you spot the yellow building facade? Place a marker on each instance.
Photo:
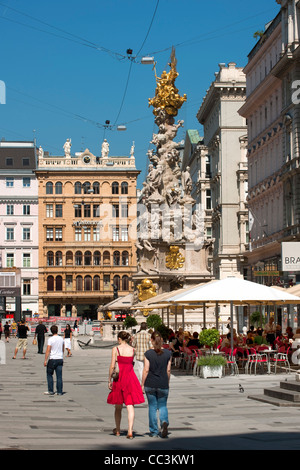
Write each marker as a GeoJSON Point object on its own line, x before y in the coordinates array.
{"type": "Point", "coordinates": [87, 232]}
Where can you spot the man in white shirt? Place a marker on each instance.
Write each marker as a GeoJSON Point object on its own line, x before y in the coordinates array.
{"type": "Point", "coordinates": [55, 354]}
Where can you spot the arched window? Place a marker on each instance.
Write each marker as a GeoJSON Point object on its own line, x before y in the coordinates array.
{"type": "Point", "coordinates": [115, 188]}
{"type": "Point", "coordinates": [58, 283]}
{"type": "Point", "coordinates": [77, 187]}
{"type": "Point", "coordinates": [50, 258]}
{"type": "Point", "coordinates": [125, 258]}
{"type": "Point", "coordinates": [79, 283]}
{"type": "Point", "coordinates": [69, 258]}
{"type": "Point", "coordinates": [106, 257]}
{"type": "Point", "coordinates": [86, 187]}
{"type": "Point", "coordinates": [124, 188]}
{"type": "Point", "coordinates": [116, 258]}
{"type": "Point", "coordinates": [96, 188]}
{"type": "Point", "coordinates": [49, 188]}
{"type": "Point", "coordinates": [58, 188]}
{"type": "Point", "coordinates": [58, 258]}
{"type": "Point", "coordinates": [87, 258]}
{"type": "Point", "coordinates": [50, 283]}
{"type": "Point", "coordinates": [87, 283]}
{"type": "Point", "coordinates": [78, 258]}
{"type": "Point", "coordinates": [97, 258]}
{"type": "Point", "coordinates": [117, 282]}
{"type": "Point", "coordinates": [125, 283]}
{"type": "Point", "coordinates": [96, 282]}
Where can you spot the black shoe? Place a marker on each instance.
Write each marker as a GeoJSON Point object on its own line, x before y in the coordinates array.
{"type": "Point", "coordinates": [164, 429]}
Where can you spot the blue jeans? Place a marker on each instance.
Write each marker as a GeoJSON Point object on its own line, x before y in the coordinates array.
{"type": "Point", "coordinates": [55, 365]}
{"type": "Point", "coordinates": [157, 400]}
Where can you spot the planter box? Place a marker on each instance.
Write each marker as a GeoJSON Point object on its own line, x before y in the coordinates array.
{"type": "Point", "coordinates": [208, 371]}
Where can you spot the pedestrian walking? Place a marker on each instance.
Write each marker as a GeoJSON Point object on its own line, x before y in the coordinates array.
{"type": "Point", "coordinates": [0, 330]}
{"type": "Point", "coordinates": [126, 389]}
{"type": "Point", "coordinates": [40, 332]}
{"type": "Point", "coordinates": [155, 383]}
{"type": "Point", "coordinates": [68, 339]}
{"type": "Point", "coordinates": [6, 331]}
{"type": "Point", "coordinates": [14, 328]}
{"type": "Point", "coordinates": [22, 339]}
{"type": "Point", "coordinates": [141, 343]}
{"type": "Point", "coordinates": [54, 361]}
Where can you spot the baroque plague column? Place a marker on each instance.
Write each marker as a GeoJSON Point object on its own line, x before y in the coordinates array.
{"type": "Point", "coordinates": [171, 248]}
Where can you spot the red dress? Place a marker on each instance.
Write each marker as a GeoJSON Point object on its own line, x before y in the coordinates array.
{"type": "Point", "coordinates": [127, 388]}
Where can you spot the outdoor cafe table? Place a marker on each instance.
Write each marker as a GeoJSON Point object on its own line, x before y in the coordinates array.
{"type": "Point", "coordinates": [268, 352]}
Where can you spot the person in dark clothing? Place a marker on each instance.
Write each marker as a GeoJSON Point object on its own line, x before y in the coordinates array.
{"type": "Point", "coordinates": [22, 341]}
{"type": "Point", "coordinates": [155, 382]}
{"type": "Point", "coordinates": [40, 332]}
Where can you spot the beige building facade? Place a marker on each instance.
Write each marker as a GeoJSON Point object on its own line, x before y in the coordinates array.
{"type": "Point", "coordinates": [87, 227]}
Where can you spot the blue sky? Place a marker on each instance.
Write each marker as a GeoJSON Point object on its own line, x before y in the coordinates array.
{"type": "Point", "coordinates": [66, 70]}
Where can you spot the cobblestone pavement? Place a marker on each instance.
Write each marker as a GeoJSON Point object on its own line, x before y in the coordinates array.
{"type": "Point", "coordinates": [204, 414]}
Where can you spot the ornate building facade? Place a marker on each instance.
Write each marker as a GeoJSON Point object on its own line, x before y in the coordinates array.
{"type": "Point", "coordinates": [87, 227]}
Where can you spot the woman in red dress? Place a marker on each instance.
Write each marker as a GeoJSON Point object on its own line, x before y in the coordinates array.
{"type": "Point", "coordinates": [127, 389]}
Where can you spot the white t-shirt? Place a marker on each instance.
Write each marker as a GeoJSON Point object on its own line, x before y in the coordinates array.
{"type": "Point", "coordinates": [56, 342]}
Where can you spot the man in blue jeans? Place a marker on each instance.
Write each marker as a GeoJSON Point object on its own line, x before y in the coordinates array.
{"type": "Point", "coordinates": [54, 361]}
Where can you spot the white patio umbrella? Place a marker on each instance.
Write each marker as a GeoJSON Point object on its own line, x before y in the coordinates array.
{"type": "Point", "coordinates": [235, 291]}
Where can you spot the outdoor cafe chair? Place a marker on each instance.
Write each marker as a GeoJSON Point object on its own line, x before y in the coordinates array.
{"type": "Point", "coordinates": [279, 359]}
{"type": "Point", "coordinates": [231, 362]}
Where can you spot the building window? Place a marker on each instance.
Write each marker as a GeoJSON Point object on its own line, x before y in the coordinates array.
{"type": "Point", "coordinates": [87, 234]}
{"type": "Point", "coordinates": [49, 188]}
{"type": "Point", "coordinates": [115, 234]}
{"type": "Point", "coordinates": [87, 283]}
{"type": "Point", "coordinates": [69, 282]}
{"type": "Point", "coordinates": [96, 283]}
{"type": "Point", "coordinates": [97, 258]}
{"type": "Point", "coordinates": [10, 234]}
{"type": "Point", "coordinates": [26, 182]}
{"type": "Point", "coordinates": [9, 209]}
{"type": "Point", "coordinates": [58, 188]}
{"type": "Point", "coordinates": [77, 187]}
{"type": "Point", "coordinates": [124, 188]}
{"type": "Point", "coordinates": [115, 210]}
{"type": "Point", "coordinates": [77, 210]}
{"type": "Point", "coordinates": [26, 234]}
{"type": "Point", "coordinates": [78, 234]}
{"type": "Point", "coordinates": [78, 258]}
{"type": "Point", "coordinates": [124, 234]}
{"type": "Point", "coordinates": [117, 282]}
{"type": "Point", "coordinates": [87, 210]}
{"type": "Point", "coordinates": [49, 234]}
{"type": "Point", "coordinates": [115, 187]}
{"type": "Point", "coordinates": [208, 199]}
{"type": "Point", "coordinates": [106, 258]}
{"type": "Point", "coordinates": [96, 210]}
{"type": "Point", "coordinates": [106, 282]}
{"type": "Point", "coordinates": [58, 258]}
{"type": "Point", "coordinates": [87, 258]}
{"type": "Point", "coordinates": [125, 258]}
{"type": "Point", "coordinates": [26, 260]}
{"type": "Point", "coordinates": [58, 210]}
{"type": "Point", "coordinates": [96, 188]}
{"type": "Point", "coordinates": [49, 210]}
{"type": "Point", "coordinates": [26, 287]}
{"type": "Point", "coordinates": [50, 283]}
{"type": "Point", "coordinates": [116, 258]}
{"type": "Point", "coordinates": [58, 283]}
{"type": "Point", "coordinates": [50, 258]}
{"type": "Point", "coordinates": [79, 283]}
{"type": "Point", "coordinates": [125, 283]}
{"type": "Point", "coordinates": [9, 161]}
{"type": "Point", "coordinates": [96, 234]}
{"type": "Point", "coordinates": [69, 258]}
{"type": "Point", "coordinates": [58, 234]}
{"type": "Point", "coordinates": [124, 210]}
{"type": "Point", "coordinates": [10, 182]}
{"type": "Point", "coordinates": [10, 260]}
{"type": "Point", "coordinates": [25, 161]}
{"type": "Point", "coordinates": [86, 187]}
{"type": "Point", "coordinates": [26, 209]}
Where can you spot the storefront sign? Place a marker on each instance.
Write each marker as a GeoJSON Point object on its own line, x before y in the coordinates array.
{"type": "Point", "coordinates": [290, 252]}
{"type": "Point", "coordinates": [267, 273]}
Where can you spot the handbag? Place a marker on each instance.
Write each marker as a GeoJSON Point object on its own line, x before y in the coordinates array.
{"type": "Point", "coordinates": [34, 341]}
{"type": "Point", "coordinates": [116, 371]}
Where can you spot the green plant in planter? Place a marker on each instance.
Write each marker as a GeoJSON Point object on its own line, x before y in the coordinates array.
{"type": "Point", "coordinates": [154, 321]}
{"type": "Point", "coordinates": [129, 322]}
{"type": "Point", "coordinates": [209, 337]}
{"type": "Point", "coordinates": [212, 360]}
